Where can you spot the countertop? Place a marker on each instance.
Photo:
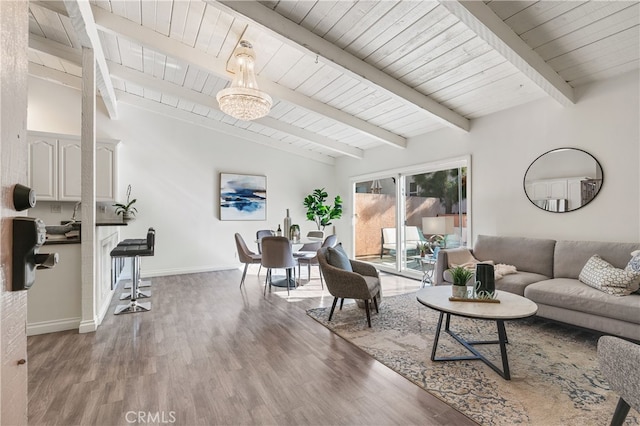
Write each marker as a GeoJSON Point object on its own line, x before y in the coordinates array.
{"type": "Point", "coordinates": [111, 224]}
{"type": "Point", "coordinates": [50, 242]}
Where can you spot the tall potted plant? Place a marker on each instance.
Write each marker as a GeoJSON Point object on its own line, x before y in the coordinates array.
{"type": "Point", "coordinates": [319, 212]}
{"type": "Point", "coordinates": [127, 210]}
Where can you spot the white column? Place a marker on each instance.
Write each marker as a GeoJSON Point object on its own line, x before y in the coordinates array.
{"type": "Point", "coordinates": [89, 321]}
{"type": "Point", "coordinates": [14, 35]}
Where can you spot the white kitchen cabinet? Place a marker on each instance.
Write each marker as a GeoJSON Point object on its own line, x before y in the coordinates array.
{"type": "Point", "coordinates": [43, 167]}
{"type": "Point", "coordinates": [55, 167]}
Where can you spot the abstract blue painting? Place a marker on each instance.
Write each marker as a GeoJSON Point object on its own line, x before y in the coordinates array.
{"type": "Point", "coordinates": [243, 197]}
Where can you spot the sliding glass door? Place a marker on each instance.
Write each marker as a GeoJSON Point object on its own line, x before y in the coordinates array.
{"type": "Point", "coordinates": [403, 214]}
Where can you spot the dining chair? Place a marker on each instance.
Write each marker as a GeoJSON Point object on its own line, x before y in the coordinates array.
{"type": "Point", "coordinates": [330, 241]}
{"type": "Point", "coordinates": [245, 255]}
{"type": "Point", "coordinates": [278, 254]}
{"type": "Point", "coordinates": [259, 235]}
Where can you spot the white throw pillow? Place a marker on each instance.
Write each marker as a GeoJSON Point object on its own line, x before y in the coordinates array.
{"type": "Point", "coordinates": [600, 274]}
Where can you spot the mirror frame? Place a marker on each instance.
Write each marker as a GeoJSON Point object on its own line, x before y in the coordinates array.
{"type": "Point", "coordinates": [598, 166]}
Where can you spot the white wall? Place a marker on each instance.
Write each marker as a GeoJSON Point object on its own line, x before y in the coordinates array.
{"type": "Point", "coordinates": [174, 169]}
{"type": "Point", "coordinates": [604, 122]}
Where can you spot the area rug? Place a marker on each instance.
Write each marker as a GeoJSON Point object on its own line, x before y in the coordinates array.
{"type": "Point", "coordinates": [555, 378]}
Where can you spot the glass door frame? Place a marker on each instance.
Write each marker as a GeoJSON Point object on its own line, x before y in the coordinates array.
{"type": "Point", "coordinates": [400, 209]}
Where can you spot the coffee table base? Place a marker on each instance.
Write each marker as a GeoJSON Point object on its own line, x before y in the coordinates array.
{"type": "Point", "coordinates": [502, 341]}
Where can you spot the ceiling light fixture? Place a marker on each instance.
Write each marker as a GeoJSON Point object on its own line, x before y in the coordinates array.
{"type": "Point", "coordinates": [243, 100]}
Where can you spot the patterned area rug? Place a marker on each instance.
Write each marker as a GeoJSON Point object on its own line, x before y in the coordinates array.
{"type": "Point", "coordinates": [554, 375]}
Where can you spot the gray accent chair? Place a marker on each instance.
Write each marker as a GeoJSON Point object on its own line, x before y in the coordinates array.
{"type": "Point", "coordinates": [245, 255]}
{"type": "Point", "coordinates": [361, 284]}
{"type": "Point", "coordinates": [619, 360]}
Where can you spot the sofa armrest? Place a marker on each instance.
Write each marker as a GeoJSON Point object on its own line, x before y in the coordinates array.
{"type": "Point", "coordinates": [442, 264]}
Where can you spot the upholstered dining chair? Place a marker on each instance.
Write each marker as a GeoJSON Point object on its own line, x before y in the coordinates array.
{"type": "Point", "coordinates": [349, 279]}
{"type": "Point", "coordinates": [278, 254]}
{"type": "Point", "coordinates": [245, 255]}
{"type": "Point", "coordinates": [309, 260]}
{"type": "Point", "coordinates": [619, 360]}
{"type": "Point", "coordinates": [259, 235]}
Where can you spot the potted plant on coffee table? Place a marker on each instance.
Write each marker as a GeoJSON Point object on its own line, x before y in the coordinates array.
{"type": "Point", "coordinates": [460, 277]}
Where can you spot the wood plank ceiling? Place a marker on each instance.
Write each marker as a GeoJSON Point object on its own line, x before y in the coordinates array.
{"type": "Point", "coordinates": [346, 76]}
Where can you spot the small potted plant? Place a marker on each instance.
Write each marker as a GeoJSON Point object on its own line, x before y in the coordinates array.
{"type": "Point", "coordinates": [460, 277]}
{"type": "Point", "coordinates": [423, 248]}
{"type": "Point", "coordinates": [127, 210]}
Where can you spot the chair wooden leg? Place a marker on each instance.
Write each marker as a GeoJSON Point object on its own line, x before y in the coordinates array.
{"type": "Point", "coordinates": [244, 274]}
{"type": "Point", "coordinates": [259, 268]}
{"type": "Point", "coordinates": [341, 302]}
{"type": "Point", "coordinates": [335, 300]}
{"type": "Point", "coordinates": [366, 308]}
{"type": "Point", "coordinates": [622, 409]}
{"type": "Point", "coordinates": [321, 281]}
{"type": "Point", "coordinates": [375, 303]}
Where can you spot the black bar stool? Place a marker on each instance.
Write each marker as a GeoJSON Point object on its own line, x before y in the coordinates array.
{"type": "Point", "coordinates": [134, 251]}
{"type": "Point", "coordinates": [141, 283]}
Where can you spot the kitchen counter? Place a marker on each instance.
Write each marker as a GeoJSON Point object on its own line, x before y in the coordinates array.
{"type": "Point", "coordinates": [111, 224]}
{"type": "Point", "coordinates": [50, 242]}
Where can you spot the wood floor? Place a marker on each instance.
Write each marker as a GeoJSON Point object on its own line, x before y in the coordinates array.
{"type": "Point", "coordinates": [209, 353]}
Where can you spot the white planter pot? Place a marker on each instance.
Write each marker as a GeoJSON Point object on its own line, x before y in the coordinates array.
{"type": "Point", "coordinates": [459, 291]}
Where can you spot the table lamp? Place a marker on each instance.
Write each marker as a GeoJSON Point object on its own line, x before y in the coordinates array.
{"type": "Point", "coordinates": [437, 227]}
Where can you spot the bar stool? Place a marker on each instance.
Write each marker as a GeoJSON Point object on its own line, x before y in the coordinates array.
{"type": "Point", "coordinates": [134, 252]}
{"type": "Point", "coordinates": [141, 283]}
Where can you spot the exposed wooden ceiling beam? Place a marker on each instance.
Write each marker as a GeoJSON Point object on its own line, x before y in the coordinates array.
{"type": "Point", "coordinates": [49, 74]}
{"type": "Point", "coordinates": [295, 35]}
{"type": "Point", "coordinates": [122, 27]}
{"type": "Point", "coordinates": [162, 86]}
{"type": "Point", "coordinates": [490, 28]}
{"type": "Point", "coordinates": [218, 126]}
{"type": "Point", "coordinates": [147, 81]}
{"type": "Point", "coordinates": [79, 12]}
{"type": "Point", "coordinates": [75, 82]}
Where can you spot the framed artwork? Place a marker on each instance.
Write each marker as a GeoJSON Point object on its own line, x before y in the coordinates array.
{"type": "Point", "coordinates": [243, 197]}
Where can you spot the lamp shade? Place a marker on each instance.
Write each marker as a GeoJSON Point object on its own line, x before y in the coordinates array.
{"type": "Point", "coordinates": [439, 225]}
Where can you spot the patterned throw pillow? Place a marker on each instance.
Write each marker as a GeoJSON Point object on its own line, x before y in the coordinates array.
{"type": "Point", "coordinates": [338, 257]}
{"type": "Point", "coordinates": [634, 264]}
{"type": "Point", "coordinates": [600, 274]}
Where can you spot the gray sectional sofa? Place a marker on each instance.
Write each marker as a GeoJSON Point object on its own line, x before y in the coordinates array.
{"type": "Point", "coordinates": [548, 273]}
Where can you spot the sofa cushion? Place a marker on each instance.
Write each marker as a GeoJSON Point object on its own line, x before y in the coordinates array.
{"type": "Point", "coordinates": [600, 274]}
{"type": "Point", "coordinates": [571, 294]}
{"type": "Point", "coordinates": [634, 264]}
{"type": "Point", "coordinates": [571, 256]}
{"type": "Point", "coordinates": [338, 258]}
{"type": "Point", "coordinates": [516, 283]}
{"type": "Point", "coordinates": [526, 254]}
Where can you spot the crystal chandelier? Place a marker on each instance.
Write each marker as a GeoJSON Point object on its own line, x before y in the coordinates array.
{"type": "Point", "coordinates": [243, 100]}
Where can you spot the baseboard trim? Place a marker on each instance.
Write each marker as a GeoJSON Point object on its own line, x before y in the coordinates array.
{"type": "Point", "coordinates": [88, 326]}
{"type": "Point", "coordinates": [182, 271]}
{"type": "Point", "coordinates": [44, 327]}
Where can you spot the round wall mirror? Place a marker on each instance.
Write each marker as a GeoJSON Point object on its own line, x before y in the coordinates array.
{"type": "Point", "coordinates": [563, 180]}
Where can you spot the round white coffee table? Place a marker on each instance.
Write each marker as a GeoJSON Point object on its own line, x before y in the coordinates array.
{"type": "Point", "coordinates": [511, 307]}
